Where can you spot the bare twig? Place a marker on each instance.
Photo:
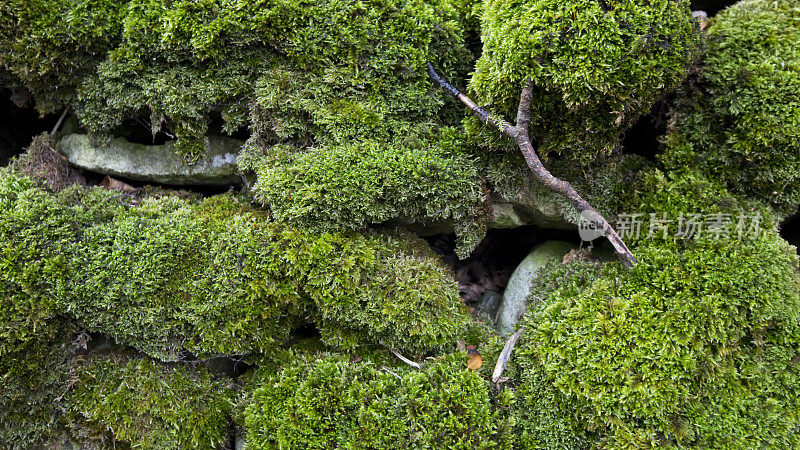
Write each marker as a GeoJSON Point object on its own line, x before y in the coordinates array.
{"type": "Point", "coordinates": [60, 119]}
{"type": "Point", "coordinates": [520, 134]}
{"type": "Point", "coordinates": [477, 110]}
{"type": "Point", "coordinates": [390, 372]}
{"type": "Point", "coordinates": [502, 360]}
{"type": "Point", "coordinates": [406, 360]}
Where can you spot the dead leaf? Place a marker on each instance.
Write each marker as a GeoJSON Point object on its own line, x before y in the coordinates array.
{"type": "Point", "coordinates": [114, 184]}
{"type": "Point", "coordinates": [573, 255]}
{"type": "Point", "coordinates": [475, 362]}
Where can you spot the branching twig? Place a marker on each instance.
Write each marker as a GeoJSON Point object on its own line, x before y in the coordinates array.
{"type": "Point", "coordinates": [520, 134]}
{"type": "Point", "coordinates": [406, 360]}
{"type": "Point", "coordinates": [502, 360]}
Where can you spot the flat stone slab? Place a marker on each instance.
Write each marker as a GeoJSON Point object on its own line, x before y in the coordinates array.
{"type": "Point", "coordinates": [156, 163]}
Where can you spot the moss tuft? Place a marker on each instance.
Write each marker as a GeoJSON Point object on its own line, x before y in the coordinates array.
{"type": "Point", "coordinates": [424, 178]}
{"type": "Point", "coordinates": [739, 121]}
{"type": "Point", "coordinates": [330, 402]}
{"type": "Point", "coordinates": [596, 66]}
{"type": "Point", "coordinates": [144, 404]}
{"type": "Point", "coordinates": [695, 346]}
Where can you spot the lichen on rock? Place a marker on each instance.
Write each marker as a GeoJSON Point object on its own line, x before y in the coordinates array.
{"type": "Point", "coordinates": [160, 164]}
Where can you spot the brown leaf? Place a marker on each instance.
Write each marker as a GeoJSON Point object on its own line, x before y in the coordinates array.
{"type": "Point", "coordinates": [114, 184]}
{"type": "Point", "coordinates": [475, 362]}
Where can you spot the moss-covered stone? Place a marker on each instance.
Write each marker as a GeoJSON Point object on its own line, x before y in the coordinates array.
{"type": "Point", "coordinates": [330, 402]}
{"type": "Point", "coordinates": [419, 179]}
{"type": "Point", "coordinates": [697, 345]}
{"type": "Point", "coordinates": [155, 163]}
{"type": "Point", "coordinates": [213, 277]}
{"type": "Point", "coordinates": [118, 401]}
{"type": "Point", "coordinates": [739, 122]}
{"type": "Point", "coordinates": [314, 71]}
{"type": "Point", "coordinates": [595, 66]}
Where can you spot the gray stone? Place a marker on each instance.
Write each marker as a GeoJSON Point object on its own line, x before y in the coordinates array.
{"type": "Point", "coordinates": [238, 440]}
{"type": "Point", "coordinates": [489, 303]}
{"type": "Point", "coordinates": [533, 204]}
{"type": "Point", "coordinates": [515, 297]}
{"type": "Point", "coordinates": [156, 163]}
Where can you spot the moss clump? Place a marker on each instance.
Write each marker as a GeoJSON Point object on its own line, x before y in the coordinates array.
{"type": "Point", "coordinates": [695, 346]}
{"type": "Point", "coordinates": [328, 402]}
{"type": "Point", "coordinates": [596, 66]}
{"type": "Point", "coordinates": [738, 122]}
{"type": "Point", "coordinates": [48, 46]}
{"type": "Point", "coordinates": [34, 375]}
{"type": "Point", "coordinates": [36, 229]}
{"type": "Point", "coordinates": [213, 277]}
{"type": "Point", "coordinates": [144, 404]}
{"type": "Point", "coordinates": [313, 70]}
{"type": "Point", "coordinates": [420, 179]}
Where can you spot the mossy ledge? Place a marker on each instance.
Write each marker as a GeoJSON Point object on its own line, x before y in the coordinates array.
{"type": "Point", "coordinates": [211, 277]}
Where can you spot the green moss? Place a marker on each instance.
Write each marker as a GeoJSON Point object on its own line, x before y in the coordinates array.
{"type": "Point", "coordinates": [34, 375]}
{"type": "Point", "coordinates": [314, 71]}
{"type": "Point", "coordinates": [740, 121]}
{"type": "Point", "coordinates": [36, 229]}
{"type": "Point", "coordinates": [596, 66]}
{"type": "Point", "coordinates": [329, 401]}
{"type": "Point", "coordinates": [47, 46]}
{"type": "Point", "coordinates": [213, 277]}
{"type": "Point", "coordinates": [689, 205]}
{"type": "Point", "coordinates": [343, 80]}
{"type": "Point", "coordinates": [148, 405]}
{"type": "Point", "coordinates": [695, 346]}
{"type": "Point", "coordinates": [421, 178]}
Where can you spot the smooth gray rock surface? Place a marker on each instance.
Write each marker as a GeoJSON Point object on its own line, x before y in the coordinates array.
{"type": "Point", "coordinates": [156, 163]}
{"type": "Point", "coordinates": [515, 297]}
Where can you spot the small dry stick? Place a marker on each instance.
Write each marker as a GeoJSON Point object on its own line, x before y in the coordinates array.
{"type": "Point", "coordinates": [519, 133]}
{"type": "Point", "coordinates": [406, 360]}
{"type": "Point", "coordinates": [391, 373]}
{"type": "Point", "coordinates": [60, 119]}
{"type": "Point", "coordinates": [505, 355]}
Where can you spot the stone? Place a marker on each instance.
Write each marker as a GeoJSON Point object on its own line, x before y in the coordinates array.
{"type": "Point", "coordinates": [543, 211]}
{"type": "Point", "coordinates": [489, 303]}
{"type": "Point", "coordinates": [515, 297]}
{"type": "Point", "coordinates": [156, 163]}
